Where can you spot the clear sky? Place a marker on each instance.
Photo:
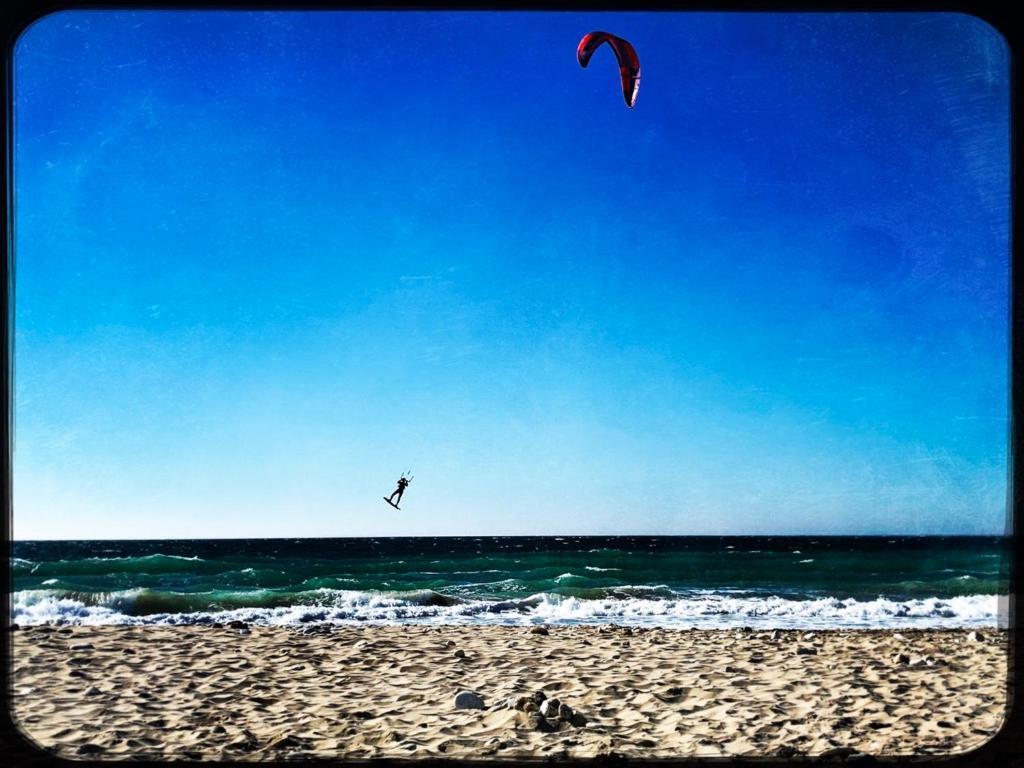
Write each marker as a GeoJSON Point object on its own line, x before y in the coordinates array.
{"type": "Point", "coordinates": [265, 262]}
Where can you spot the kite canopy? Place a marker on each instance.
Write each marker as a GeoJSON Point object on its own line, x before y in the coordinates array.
{"type": "Point", "coordinates": [629, 62]}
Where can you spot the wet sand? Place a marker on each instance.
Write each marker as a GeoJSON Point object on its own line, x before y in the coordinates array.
{"type": "Point", "coordinates": [271, 693]}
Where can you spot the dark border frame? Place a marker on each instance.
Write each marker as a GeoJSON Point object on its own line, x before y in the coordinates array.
{"type": "Point", "coordinates": [1006, 748]}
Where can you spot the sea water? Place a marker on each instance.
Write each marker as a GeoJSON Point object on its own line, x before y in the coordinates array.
{"type": "Point", "coordinates": [703, 582]}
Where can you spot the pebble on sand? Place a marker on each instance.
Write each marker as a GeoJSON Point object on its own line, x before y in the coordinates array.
{"type": "Point", "coordinates": [550, 707]}
{"type": "Point", "coordinates": [468, 700]}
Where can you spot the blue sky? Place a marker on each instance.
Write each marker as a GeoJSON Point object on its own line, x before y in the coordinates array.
{"type": "Point", "coordinates": [265, 262]}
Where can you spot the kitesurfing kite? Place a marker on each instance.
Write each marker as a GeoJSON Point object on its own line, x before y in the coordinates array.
{"type": "Point", "coordinates": [629, 62]}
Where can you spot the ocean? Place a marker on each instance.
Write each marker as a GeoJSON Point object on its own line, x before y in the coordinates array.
{"type": "Point", "coordinates": [663, 581]}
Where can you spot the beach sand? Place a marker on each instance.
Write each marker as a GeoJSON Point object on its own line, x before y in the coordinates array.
{"type": "Point", "coordinates": [208, 692]}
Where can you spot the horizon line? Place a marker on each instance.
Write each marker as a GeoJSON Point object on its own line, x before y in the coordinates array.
{"type": "Point", "coordinates": [562, 536]}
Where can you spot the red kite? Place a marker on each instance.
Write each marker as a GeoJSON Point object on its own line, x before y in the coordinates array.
{"type": "Point", "coordinates": [629, 63]}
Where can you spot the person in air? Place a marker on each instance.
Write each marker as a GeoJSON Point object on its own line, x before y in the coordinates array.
{"type": "Point", "coordinates": [402, 483]}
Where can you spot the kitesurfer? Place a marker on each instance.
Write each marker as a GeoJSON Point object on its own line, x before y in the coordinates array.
{"type": "Point", "coordinates": [402, 483]}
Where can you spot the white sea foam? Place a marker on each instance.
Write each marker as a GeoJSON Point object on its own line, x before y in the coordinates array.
{"type": "Point", "coordinates": [599, 568]}
{"type": "Point", "coordinates": [699, 610]}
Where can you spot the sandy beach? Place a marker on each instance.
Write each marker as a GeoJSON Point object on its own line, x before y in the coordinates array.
{"type": "Point", "coordinates": [259, 693]}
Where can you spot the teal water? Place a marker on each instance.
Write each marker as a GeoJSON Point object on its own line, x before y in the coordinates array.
{"type": "Point", "coordinates": [699, 581]}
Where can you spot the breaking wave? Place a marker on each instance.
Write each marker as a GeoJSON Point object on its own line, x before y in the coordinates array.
{"type": "Point", "coordinates": [648, 607]}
